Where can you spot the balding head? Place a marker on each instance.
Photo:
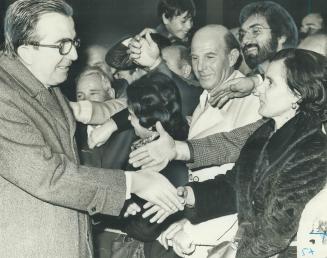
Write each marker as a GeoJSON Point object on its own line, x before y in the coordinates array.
{"type": "Point", "coordinates": [312, 23]}
{"type": "Point", "coordinates": [213, 55]}
{"type": "Point", "coordinates": [210, 33]}
{"type": "Point", "coordinates": [316, 43]}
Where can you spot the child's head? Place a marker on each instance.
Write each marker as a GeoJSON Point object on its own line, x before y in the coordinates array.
{"type": "Point", "coordinates": [177, 16]}
{"type": "Point", "coordinates": [93, 84]}
{"type": "Point", "coordinates": [156, 98]}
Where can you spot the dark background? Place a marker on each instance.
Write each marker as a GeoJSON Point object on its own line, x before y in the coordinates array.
{"type": "Point", "coordinates": [108, 20]}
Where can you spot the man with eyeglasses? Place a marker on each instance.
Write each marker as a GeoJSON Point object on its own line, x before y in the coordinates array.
{"type": "Point", "coordinates": [46, 196]}
{"type": "Point", "coordinates": [266, 28]}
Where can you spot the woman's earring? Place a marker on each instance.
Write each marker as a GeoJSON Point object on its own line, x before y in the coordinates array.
{"type": "Point", "coordinates": [294, 105]}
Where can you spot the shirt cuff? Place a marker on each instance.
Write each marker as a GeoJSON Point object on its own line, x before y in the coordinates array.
{"type": "Point", "coordinates": [128, 184]}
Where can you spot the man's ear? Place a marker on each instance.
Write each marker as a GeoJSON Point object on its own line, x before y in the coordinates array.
{"type": "Point", "coordinates": [233, 57]}
{"type": "Point", "coordinates": [165, 20]}
{"type": "Point", "coordinates": [107, 85]}
{"type": "Point", "coordinates": [111, 92]}
{"type": "Point", "coordinates": [25, 53]}
{"type": "Point", "coordinates": [281, 40]}
{"type": "Point", "coordinates": [186, 70]}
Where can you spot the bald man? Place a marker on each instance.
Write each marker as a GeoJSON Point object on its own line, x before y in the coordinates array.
{"type": "Point", "coordinates": [316, 42]}
{"type": "Point", "coordinates": [311, 23]}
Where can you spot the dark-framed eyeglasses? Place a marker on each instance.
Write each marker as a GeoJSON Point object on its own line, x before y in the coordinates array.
{"type": "Point", "coordinates": [254, 31]}
{"type": "Point", "coordinates": [64, 46]}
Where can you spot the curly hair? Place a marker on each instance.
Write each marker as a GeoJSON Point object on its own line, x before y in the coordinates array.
{"type": "Point", "coordinates": [155, 97]}
{"type": "Point", "coordinates": [278, 19]}
{"type": "Point", "coordinates": [306, 75]}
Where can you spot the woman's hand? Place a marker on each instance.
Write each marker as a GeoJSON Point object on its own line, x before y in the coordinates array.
{"type": "Point", "coordinates": [223, 250]}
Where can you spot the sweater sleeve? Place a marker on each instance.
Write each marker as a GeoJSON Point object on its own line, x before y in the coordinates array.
{"type": "Point", "coordinates": [220, 148]}
{"type": "Point", "coordinates": [213, 198]}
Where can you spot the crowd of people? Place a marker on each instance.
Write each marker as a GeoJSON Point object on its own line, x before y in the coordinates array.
{"type": "Point", "coordinates": [179, 142]}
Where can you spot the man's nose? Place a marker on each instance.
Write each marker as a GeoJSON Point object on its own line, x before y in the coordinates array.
{"type": "Point", "coordinates": [72, 55]}
{"type": "Point", "coordinates": [189, 24]}
{"type": "Point", "coordinates": [247, 38]}
{"type": "Point", "coordinates": [258, 89]}
{"type": "Point", "coordinates": [201, 65]}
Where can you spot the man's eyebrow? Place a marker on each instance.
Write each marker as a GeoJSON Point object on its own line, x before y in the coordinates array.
{"type": "Point", "coordinates": [256, 25]}
{"type": "Point", "coordinates": [64, 39]}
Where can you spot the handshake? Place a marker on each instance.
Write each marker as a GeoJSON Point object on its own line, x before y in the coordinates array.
{"type": "Point", "coordinates": [163, 199]}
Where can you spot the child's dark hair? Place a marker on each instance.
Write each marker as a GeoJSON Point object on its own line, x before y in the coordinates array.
{"type": "Point", "coordinates": [156, 98]}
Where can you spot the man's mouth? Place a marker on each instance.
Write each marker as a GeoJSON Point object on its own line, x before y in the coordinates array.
{"type": "Point", "coordinates": [251, 49]}
{"type": "Point", "coordinates": [64, 67]}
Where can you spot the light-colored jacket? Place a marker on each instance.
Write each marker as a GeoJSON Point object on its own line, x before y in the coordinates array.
{"type": "Point", "coordinates": [45, 195]}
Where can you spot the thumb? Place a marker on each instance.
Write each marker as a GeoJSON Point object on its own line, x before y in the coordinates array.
{"type": "Point", "coordinates": [181, 191]}
{"type": "Point", "coordinates": [149, 39]}
{"type": "Point", "coordinates": [160, 129]}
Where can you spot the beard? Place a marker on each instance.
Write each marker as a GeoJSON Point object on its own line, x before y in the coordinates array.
{"type": "Point", "coordinates": [264, 52]}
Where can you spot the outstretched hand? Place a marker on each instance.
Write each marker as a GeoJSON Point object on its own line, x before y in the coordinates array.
{"type": "Point", "coordinates": [156, 189]}
{"type": "Point", "coordinates": [160, 151]}
{"type": "Point", "coordinates": [144, 51]}
{"type": "Point", "coordinates": [236, 88]}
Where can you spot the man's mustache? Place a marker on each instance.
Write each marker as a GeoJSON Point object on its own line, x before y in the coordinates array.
{"type": "Point", "coordinates": [246, 47]}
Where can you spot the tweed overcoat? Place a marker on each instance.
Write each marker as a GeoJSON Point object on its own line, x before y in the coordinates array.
{"type": "Point", "coordinates": [45, 195]}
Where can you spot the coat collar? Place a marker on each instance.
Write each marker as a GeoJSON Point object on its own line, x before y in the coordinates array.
{"type": "Point", "coordinates": [22, 75]}
{"type": "Point", "coordinates": [292, 131]}
{"type": "Point", "coordinates": [31, 85]}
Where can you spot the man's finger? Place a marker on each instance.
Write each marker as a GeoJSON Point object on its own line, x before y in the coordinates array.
{"type": "Point", "coordinates": [149, 39]}
{"type": "Point", "coordinates": [157, 216]}
{"type": "Point", "coordinates": [173, 201]}
{"type": "Point", "coordinates": [138, 152]}
{"type": "Point", "coordinates": [151, 211]}
{"type": "Point", "coordinates": [143, 162]}
{"type": "Point", "coordinates": [136, 160]}
{"type": "Point", "coordinates": [160, 129]}
{"type": "Point", "coordinates": [147, 205]}
{"type": "Point", "coordinates": [162, 218]}
{"type": "Point", "coordinates": [172, 232]}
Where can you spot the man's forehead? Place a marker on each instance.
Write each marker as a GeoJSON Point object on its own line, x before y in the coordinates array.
{"type": "Point", "coordinates": [208, 40]}
{"type": "Point", "coordinates": [312, 20]}
{"type": "Point", "coordinates": [55, 27]}
{"type": "Point", "coordinates": [184, 15]}
{"type": "Point", "coordinates": [255, 20]}
{"type": "Point", "coordinates": [207, 46]}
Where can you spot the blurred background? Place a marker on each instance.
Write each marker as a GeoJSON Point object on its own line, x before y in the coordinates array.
{"type": "Point", "coordinates": [104, 22]}
{"type": "Point", "coordinates": [108, 20]}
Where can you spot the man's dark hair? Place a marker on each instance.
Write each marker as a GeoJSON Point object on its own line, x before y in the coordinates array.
{"type": "Point", "coordinates": [22, 17]}
{"type": "Point", "coordinates": [306, 76]}
{"type": "Point", "coordinates": [279, 20]}
{"type": "Point", "coordinates": [232, 43]}
{"type": "Point", "coordinates": [171, 8]}
{"type": "Point", "coordinates": [156, 98]}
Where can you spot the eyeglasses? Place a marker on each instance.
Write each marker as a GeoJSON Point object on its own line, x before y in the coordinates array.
{"type": "Point", "coordinates": [64, 46]}
{"type": "Point", "coordinates": [254, 31]}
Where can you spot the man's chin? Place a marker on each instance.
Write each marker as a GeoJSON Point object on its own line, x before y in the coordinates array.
{"type": "Point", "coordinates": [251, 61]}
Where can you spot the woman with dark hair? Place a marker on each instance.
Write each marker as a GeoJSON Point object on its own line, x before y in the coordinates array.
{"type": "Point", "coordinates": [281, 167]}
{"type": "Point", "coordinates": [151, 99]}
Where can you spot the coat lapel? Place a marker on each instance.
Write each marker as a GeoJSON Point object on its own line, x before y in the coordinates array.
{"type": "Point", "coordinates": [38, 91]}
